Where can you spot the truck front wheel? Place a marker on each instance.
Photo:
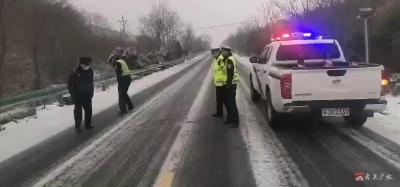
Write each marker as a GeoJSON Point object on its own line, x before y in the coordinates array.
{"type": "Point", "coordinates": [356, 119]}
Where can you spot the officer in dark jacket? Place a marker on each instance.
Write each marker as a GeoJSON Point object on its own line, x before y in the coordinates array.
{"type": "Point", "coordinates": [81, 88]}
{"type": "Point", "coordinates": [230, 86]}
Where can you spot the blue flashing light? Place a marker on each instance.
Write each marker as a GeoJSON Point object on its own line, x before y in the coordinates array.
{"type": "Point", "coordinates": [295, 36]}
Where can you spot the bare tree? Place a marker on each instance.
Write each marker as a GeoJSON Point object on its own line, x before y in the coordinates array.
{"type": "Point", "coordinates": [188, 38]}
{"type": "Point", "coordinates": [3, 36]}
{"type": "Point", "coordinates": [270, 13]}
{"type": "Point", "coordinates": [295, 8]}
{"type": "Point", "coordinates": [3, 40]}
{"type": "Point", "coordinates": [289, 8]}
{"type": "Point", "coordinates": [38, 21]}
{"type": "Point", "coordinates": [163, 24]}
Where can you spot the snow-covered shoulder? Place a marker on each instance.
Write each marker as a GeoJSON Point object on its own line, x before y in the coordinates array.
{"type": "Point", "coordinates": [387, 124]}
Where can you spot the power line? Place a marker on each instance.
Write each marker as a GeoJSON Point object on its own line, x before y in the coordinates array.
{"type": "Point", "coordinates": [222, 25]}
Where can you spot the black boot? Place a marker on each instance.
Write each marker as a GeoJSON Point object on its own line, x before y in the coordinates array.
{"type": "Point", "coordinates": [217, 115]}
{"type": "Point", "coordinates": [234, 125]}
{"type": "Point", "coordinates": [89, 127]}
{"type": "Point", "coordinates": [228, 122]}
{"type": "Point", "coordinates": [78, 127]}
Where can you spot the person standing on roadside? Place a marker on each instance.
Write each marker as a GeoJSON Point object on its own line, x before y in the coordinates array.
{"type": "Point", "coordinates": [81, 89]}
{"type": "Point", "coordinates": [218, 69]}
{"type": "Point", "coordinates": [124, 81]}
{"type": "Point", "coordinates": [231, 78]}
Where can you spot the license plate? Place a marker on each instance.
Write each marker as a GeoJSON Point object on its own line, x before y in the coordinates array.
{"type": "Point", "coordinates": [335, 112]}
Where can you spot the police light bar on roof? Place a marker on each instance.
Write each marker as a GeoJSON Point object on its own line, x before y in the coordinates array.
{"type": "Point", "coordinates": [294, 36]}
{"type": "Point", "coordinates": [285, 35]}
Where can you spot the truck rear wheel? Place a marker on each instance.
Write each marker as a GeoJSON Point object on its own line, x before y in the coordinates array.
{"type": "Point", "coordinates": [255, 96]}
{"type": "Point", "coordinates": [273, 117]}
{"type": "Point", "coordinates": [356, 119]}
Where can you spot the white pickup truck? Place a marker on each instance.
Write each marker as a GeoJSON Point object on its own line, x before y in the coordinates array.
{"type": "Point", "coordinates": [313, 76]}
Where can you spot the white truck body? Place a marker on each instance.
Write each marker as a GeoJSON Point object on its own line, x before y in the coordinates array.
{"type": "Point", "coordinates": [293, 77]}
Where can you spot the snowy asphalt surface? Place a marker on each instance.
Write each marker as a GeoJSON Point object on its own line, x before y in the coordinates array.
{"type": "Point", "coordinates": [171, 139]}
{"type": "Point", "coordinates": [328, 153]}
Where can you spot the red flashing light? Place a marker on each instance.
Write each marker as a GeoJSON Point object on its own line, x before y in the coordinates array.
{"type": "Point", "coordinates": [294, 35]}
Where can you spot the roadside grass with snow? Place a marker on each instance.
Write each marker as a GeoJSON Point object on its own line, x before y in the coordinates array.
{"type": "Point", "coordinates": [386, 124]}
{"type": "Point", "coordinates": [22, 134]}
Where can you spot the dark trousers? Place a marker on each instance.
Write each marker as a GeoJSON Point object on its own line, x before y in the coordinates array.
{"type": "Point", "coordinates": [124, 99]}
{"type": "Point", "coordinates": [230, 103]}
{"type": "Point", "coordinates": [86, 104]}
{"type": "Point", "coordinates": [220, 99]}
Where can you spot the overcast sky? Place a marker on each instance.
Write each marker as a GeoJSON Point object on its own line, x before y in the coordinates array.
{"type": "Point", "coordinates": [199, 13]}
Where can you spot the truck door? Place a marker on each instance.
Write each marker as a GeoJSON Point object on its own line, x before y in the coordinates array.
{"type": "Point", "coordinates": [258, 67]}
{"type": "Point", "coordinates": [264, 69]}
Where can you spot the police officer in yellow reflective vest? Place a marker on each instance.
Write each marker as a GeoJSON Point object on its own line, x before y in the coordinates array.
{"type": "Point", "coordinates": [231, 79]}
{"type": "Point", "coordinates": [218, 69]}
{"type": "Point", "coordinates": [124, 81]}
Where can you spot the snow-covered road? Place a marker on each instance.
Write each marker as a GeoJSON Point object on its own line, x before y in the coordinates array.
{"type": "Point", "coordinates": [171, 139]}
{"type": "Point", "coordinates": [52, 119]}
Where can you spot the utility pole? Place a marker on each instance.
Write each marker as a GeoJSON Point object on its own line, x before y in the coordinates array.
{"type": "Point", "coordinates": [123, 23]}
{"type": "Point", "coordinates": [365, 15]}
{"type": "Point", "coordinates": [366, 38]}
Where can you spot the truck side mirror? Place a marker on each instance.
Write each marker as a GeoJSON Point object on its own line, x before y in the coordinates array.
{"type": "Point", "coordinates": [253, 59]}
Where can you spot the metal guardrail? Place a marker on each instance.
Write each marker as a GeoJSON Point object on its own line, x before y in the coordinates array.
{"type": "Point", "coordinates": [47, 94]}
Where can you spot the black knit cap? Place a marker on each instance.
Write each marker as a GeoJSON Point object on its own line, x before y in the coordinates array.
{"type": "Point", "coordinates": [226, 48]}
{"type": "Point", "coordinates": [85, 60]}
{"type": "Point", "coordinates": [213, 50]}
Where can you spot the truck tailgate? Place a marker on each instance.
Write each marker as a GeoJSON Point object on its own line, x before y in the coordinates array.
{"type": "Point", "coordinates": [336, 84]}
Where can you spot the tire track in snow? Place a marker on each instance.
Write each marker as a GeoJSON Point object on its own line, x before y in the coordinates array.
{"type": "Point", "coordinates": [271, 163]}
{"type": "Point", "coordinates": [175, 155]}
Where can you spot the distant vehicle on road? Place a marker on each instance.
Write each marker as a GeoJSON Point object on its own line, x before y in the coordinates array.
{"type": "Point", "coordinates": [300, 73]}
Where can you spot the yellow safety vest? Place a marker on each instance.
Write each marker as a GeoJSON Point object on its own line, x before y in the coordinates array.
{"type": "Point", "coordinates": [124, 68]}
{"type": "Point", "coordinates": [219, 71]}
{"type": "Point", "coordinates": [236, 78]}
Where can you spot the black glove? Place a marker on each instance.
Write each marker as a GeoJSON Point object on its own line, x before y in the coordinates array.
{"type": "Point", "coordinates": [73, 97]}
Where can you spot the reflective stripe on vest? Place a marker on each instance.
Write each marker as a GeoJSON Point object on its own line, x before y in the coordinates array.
{"type": "Point", "coordinates": [236, 78]}
{"type": "Point", "coordinates": [219, 71]}
{"type": "Point", "coordinates": [124, 68]}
